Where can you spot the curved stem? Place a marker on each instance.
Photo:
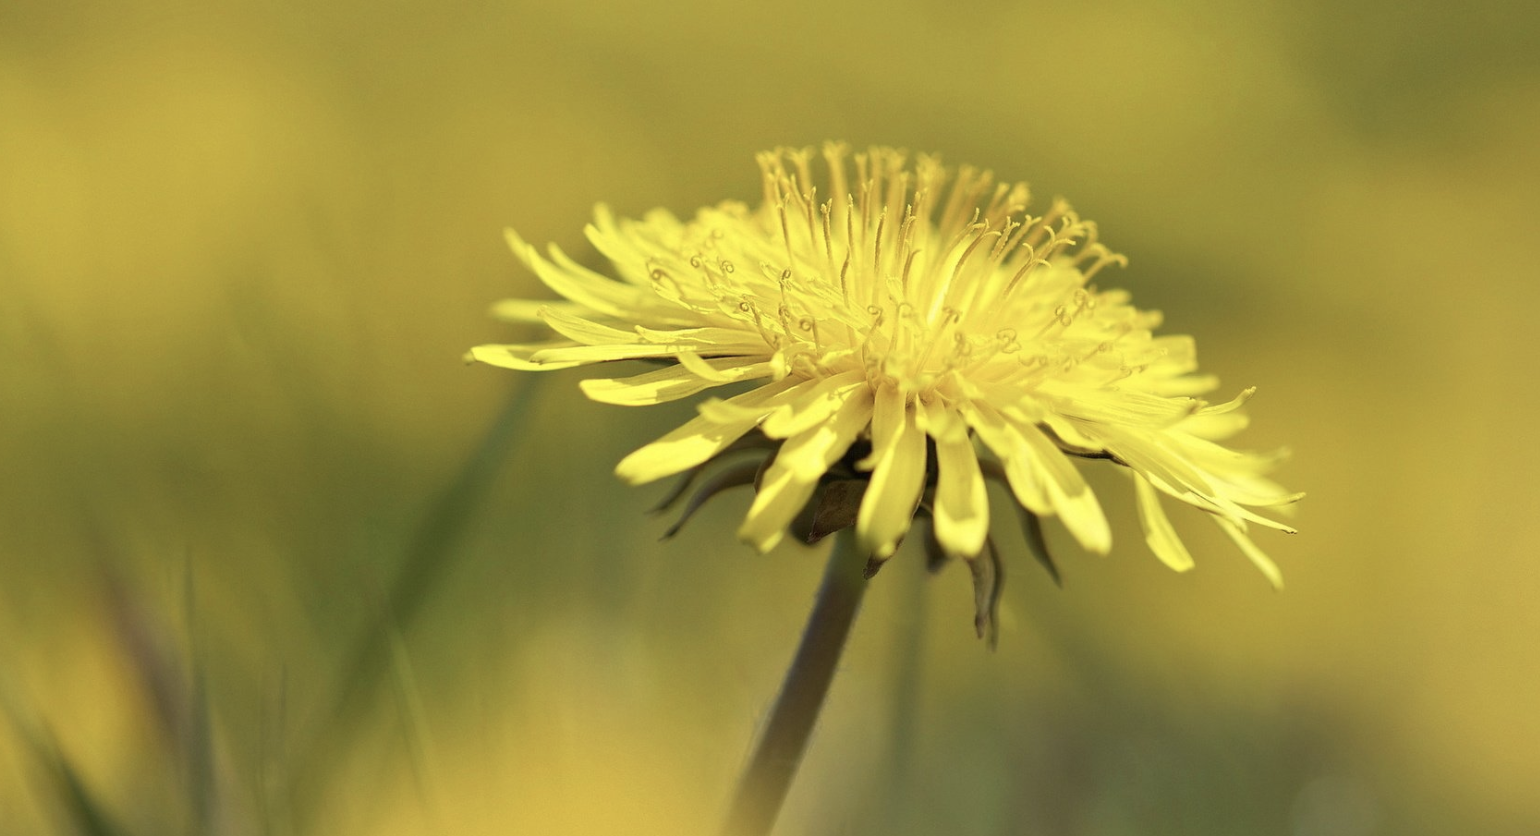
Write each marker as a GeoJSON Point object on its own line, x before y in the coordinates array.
{"type": "Point", "coordinates": [765, 782]}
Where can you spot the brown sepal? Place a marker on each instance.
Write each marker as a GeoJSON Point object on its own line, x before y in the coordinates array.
{"type": "Point", "coordinates": [681, 486]}
{"type": "Point", "coordinates": [740, 474]}
{"type": "Point", "coordinates": [833, 508]}
{"type": "Point", "coordinates": [1032, 530]}
{"type": "Point", "coordinates": [988, 583]}
{"type": "Point", "coordinates": [936, 557]}
{"type": "Point", "coordinates": [1031, 526]}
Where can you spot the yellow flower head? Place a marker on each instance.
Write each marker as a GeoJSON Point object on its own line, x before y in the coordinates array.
{"type": "Point", "coordinates": [894, 325]}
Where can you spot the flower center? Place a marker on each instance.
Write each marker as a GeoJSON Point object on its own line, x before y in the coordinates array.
{"type": "Point", "coordinates": [924, 287]}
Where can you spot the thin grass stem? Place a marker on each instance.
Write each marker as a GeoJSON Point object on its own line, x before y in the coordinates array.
{"type": "Point", "coordinates": [429, 558]}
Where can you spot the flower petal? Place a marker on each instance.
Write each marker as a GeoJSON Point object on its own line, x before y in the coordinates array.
{"type": "Point", "coordinates": [898, 446]}
{"type": "Point", "coordinates": [1256, 555]}
{"type": "Point", "coordinates": [1158, 532]}
{"type": "Point", "coordinates": [1070, 496]}
{"type": "Point", "coordinates": [779, 499]}
{"type": "Point", "coordinates": [1214, 427]}
{"type": "Point", "coordinates": [580, 354]}
{"type": "Point", "coordinates": [801, 461]}
{"type": "Point", "coordinates": [670, 383]}
{"type": "Point", "coordinates": [791, 391]}
{"type": "Point", "coordinates": [816, 405]}
{"type": "Point", "coordinates": [1026, 482]}
{"type": "Point", "coordinates": [1145, 453]}
{"type": "Point", "coordinates": [708, 340]}
{"type": "Point", "coordinates": [1125, 407]}
{"type": "Point", "coordinates": [591, 290]}
{"type": "Point", "coordinates": [697, 440]}
{"type": "Point", "coordinates": [584, 331]}
{"type": "Point", "coordinates": [962, 506]}
{"type": "Point", "coordinates": [1231, 405]}
{"type": "Point", "coordinates": [712, 369]}
{"type": "Point", "coordinates": [518, 357]}
{"type": "Point", "coordinates": [620, 246]}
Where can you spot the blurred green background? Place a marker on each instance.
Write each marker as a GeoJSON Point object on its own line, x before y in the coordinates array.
{"type": "Point", "coordinates": [273, 561]}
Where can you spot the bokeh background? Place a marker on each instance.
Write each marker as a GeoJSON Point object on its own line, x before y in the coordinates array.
{"type": "Point", "coordinates": [273, 561]}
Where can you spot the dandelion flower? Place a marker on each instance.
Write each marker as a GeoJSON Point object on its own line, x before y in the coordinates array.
{"type": "Point", "coordinates": [905, 333]}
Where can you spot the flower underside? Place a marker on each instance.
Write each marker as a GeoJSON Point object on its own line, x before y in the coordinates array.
{"type": "Point", "coordinates": [835, 506]}
{"type": "Point", "coordinates": [917, 316]}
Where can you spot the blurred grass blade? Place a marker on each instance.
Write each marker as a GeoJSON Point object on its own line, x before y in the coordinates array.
{"type": "Point", "coordinates": [198, 736]}
{"type": "Point", "coordinates": [428, 560]}
{"type": "Point", "coordinates": [414, 719]}
{"type": "Point", "coordinates": [176, 687]}
{"type": "Point", "coordinates": [276, 817]}
{"type": "Point", "coordinates": [88, 815]}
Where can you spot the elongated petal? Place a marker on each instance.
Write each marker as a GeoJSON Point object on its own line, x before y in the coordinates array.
{"type": "Point", "coordinates": [691, 444]}
{"type": "Point", "coordinates": [590, 290]}
{"type": "Point", "coordinates": [887, 420]}
{"type": "Point", "coordinates": [779, 499]}
{"type": "Point", "coordinates": [1215, 427]}
{"type": "Point", "coordinates": [1052, 462]}
{"type": "Point", "coordinates": [813, 451]}
{"type": "Point", "coordinates": [1258, 558]}
{"type": "Point", "coordinates": [706, 340]}
{"type": "Point", "coordinates": [962, 504]}
{"type": "Point", "coordinates": [789, 391]}
{"type": "Point", "coordinates": [518, 357]}
{"type": "Point", "coordinates": [618, 246]}
{"type": "Point", "coordinates": [655, 311]}
{"type": "Point", "coordinates": [1083, 516]}
{"type": "Point", "coordinates": [1229, 406]}
{"type": "Point", "coordinates": [1144, 452]}
{"type": "Point", "coordinates": [669, 383]}
{"type": "Point", "coordinates": [585, 331]}
{"type": "Point", "coordinates": [897, 480]}
{"type": "Point", "coordinates": [1158, 532]}
{"type": "Point", "coordinates": [1120, 407]}
{"type": "Point", "coordinates": [717, 371]}
{"type": "Point", "coordinates": [695, 441]}
{"type": "Point", "coordinates": [1021, 472]}
{"type": "Point", "coordinates": [815, 407]}
{"type": "Point", "coordinates": [791, 479]}
{"type": "Point", "coordinates": [1067, 491]}
{"type": "Point", "coordinates": [580, 354]}
{"type": "Point", "coordinates": [1069, 431]}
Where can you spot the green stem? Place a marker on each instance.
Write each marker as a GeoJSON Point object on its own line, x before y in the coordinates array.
{"type": "Point", "coordinates": [779, 751]}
